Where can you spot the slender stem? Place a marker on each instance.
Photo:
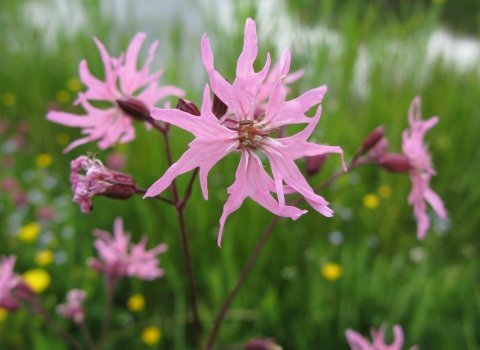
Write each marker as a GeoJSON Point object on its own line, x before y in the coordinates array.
{"type": "Point", "coordinates": [155, 124]}
{"type": "Point", "coordinates": [188, 191]}
{"type": "Point", "coordinates": [143, 191]}
{"type": "Point", "coordinates": [241, 279]}
{"type": "Point", "coordinates": [68, 338]}
{"type": "Point", "coordinates": [110, 285]}
{"type": "Point", "coordinates": [191, 281]}
{"type": "Point", "coordinates": [179, 208]}
{"type": "Point", "coordinates": [86, 334]}
{"type": "Point", "coordinates": [221, 314]}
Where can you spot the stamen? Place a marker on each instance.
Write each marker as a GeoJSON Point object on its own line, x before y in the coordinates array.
{"type": "Point", "coordinates": [245, 122]}
{"type": "Point", "coordinates": [246, 143]}
{"type": "Point", "coordinates": [260, 117]}
{"type": "Point", "coordinates": [257, 138]}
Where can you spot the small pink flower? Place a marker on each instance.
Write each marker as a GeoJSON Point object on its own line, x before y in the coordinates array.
{"type": "Point", "coordinates": [98, 180]}
{"type": "Point", "coordinates": [122, 82]}
{"type": "Point", "coordinates": [421, 168]}
{"type": "Point", "coordinates": [73, 308]}
{"type": "Point", "coordinates": [120, 258]}
{"type": "Point", "coordinates": [13, 290]}
{"type": "Point", "coordinates": [357, 342]}
{"type": "Point", "coordinates": [241, 129]}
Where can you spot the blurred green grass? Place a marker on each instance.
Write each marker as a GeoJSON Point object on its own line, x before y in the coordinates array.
{"type": "Point", "coordinates": [431, 287]}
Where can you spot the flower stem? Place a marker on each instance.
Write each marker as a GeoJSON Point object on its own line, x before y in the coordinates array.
{"type": "Point", "coordinates": [163, 199]}
{"type": "Point", "coordinates": [110, 285]}
{"type": "Point", "coordinates": [180, 209]}
{"type": "Point", "coordinates": [68, 338]}
{"type": "Point", "coordinates": [241, 279]}
{"type": "Point", "coordinates": [221, 314]}
{"type": "Point", "coordinates": [87, 335]}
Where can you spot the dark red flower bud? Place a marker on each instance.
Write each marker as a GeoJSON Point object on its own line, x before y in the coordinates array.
{"type": "Point", "coordinates": [372, 139]}
{"type": "Point", "coordinates": [187, 106]}
{"type": "Point", "coordinates": [315, 163]}
{"type": "Point", "coordinates": [134, 108]}
{"type": "Point", "coordinates": [395, 162]}
{"type": "Point", "coordinates": [124, 186]}
{"type": "Point", "coordinates": [218, 108]}
{"type": "Point", "coordinates": [262, 344]}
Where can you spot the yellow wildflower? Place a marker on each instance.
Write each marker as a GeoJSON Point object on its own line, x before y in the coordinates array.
{"type": "Point", "coordinates": [43, 160]}
{"type": "Point", "coordinates": [136, 302]}
{"type": "Point", "coordinates": [62, 96]}
{"type": "Point", "coordinates": [331, 271]}
{"type": "Point", "coordinates": [8, 99]}
{"type": "Point", "coordinates": [30, 232]}
{"type": "Point", "coordinates": [37, 279]}
{"type": "Point", "coordinates": [44, 257]}
{"type": "Point", "coordinates": [371, 201]}
{"type": "Point", "coordinates": [62, 139]}
{"type": "Point", "coordinates": [385, 191]}
{"type": "Point", "coordinates": [151, 335]}
{"type": "Point", "coordinates": [3, 314]}
{"type": "Point", "coordinates": [74, 84]}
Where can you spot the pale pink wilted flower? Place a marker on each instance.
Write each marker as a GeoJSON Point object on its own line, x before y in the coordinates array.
{"type": "Point", "coordinates": [241, 130]}
{"type": "Point", "coordinates": [122, 81]}
{"type": "Point", "coordinates": [421, 169]}
{"type": "Point", "coordinates": [13, 290]}
{"type": "Point", "coordinates": [120, 258]}
{"type": "Point", "coordinates": [73, 308]}
{"type": "Point", "coordinates": [357, 342]}
{"type": "Point", "coordinates": [98, 180]}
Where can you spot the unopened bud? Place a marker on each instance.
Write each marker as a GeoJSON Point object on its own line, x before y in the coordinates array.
{"type": "Point", "coordinates": [372, 139]}
{"type": "Point", "coordinates": [187, 106]}
{"type": "Point", "coordinates": [314, 164]}
{"type": "Point", "coordinates": [395, 162]}
{"type": "Point", "coordinates": [219, 108]}
{"type": "Point", "coordinates": [134, 108]}
{"type": "Point", "coordinates": [262, 344]}
{"type": "Point", "coordinates": [123, 186]}
{"type": "Point", "coordinates": [379, 150]}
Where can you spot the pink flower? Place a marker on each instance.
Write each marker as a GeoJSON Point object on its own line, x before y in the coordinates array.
{"type": "Point", "coordinates": [240, 130]}
{"type": "Point", "coordinates": [120, 258]}
{"type": "Point", "coordinates": [73, 308]}
{"type": "Point", "coordinates": [13, 290]}
{"type": "Point", "coordinates": [421, 168]}
{"type": "Point", "coordinates": [121, 85]}
{"type": "Point", "coordinates": [98, 180]}
{"type": "Point", "coordinates": [8, 281]}
{"type": "Point", "coordinates": [357, 342]}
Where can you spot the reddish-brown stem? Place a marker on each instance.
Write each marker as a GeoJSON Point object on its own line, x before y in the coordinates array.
{"type": "Point", "coordinates": [110, 286]}
{"type": "Point", "coordinates": [38, 308]}
{"type": "Point", "coordinates": [179, 205]}
{"type": "Point", "coordinates": [163, 199]}
{"type": "Point", "coordinates": [241, 279]}
{"type": "Point", "coordinates": [188, 191]}
{"type": "Point", "coordinates": [87, 335]}
{"type": "Point", "coordinates": [221, 314]}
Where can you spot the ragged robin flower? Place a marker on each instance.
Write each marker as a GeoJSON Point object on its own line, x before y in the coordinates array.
{"type": "Point", "coordinates": [357, 342]}
{"type": "Point", "coordinates": [421, 168]}
{"type": "Point", "coordinates": [98, 180]}
{"type": "Point", "coordinates": [120, 88]}
{"type": "Point", "coordinates": [119, 258]}
{"type": "Point", "coordinates": [242, 130]}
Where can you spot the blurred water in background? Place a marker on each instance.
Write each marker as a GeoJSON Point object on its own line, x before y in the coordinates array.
{"type": "Point", "coordinates": [276, 25]}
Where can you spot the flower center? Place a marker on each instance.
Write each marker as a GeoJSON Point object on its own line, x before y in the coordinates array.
{"type": "Point", "coordinates": [252, 132]}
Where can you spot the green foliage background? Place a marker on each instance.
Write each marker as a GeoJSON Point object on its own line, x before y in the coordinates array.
{"type": "Point", "coordinates": [436, 298]}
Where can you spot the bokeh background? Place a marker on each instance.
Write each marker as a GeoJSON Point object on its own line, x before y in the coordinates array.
{"type": "Point", "coordinates": [316, 276]}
